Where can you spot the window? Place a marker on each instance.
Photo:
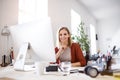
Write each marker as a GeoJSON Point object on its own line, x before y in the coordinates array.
{"type": "Point", "coordinates": [32, 9]}
{"type": "Point", "coordinates": [92, 39]}
{"type": "Point", "coordinates": [75, 21]}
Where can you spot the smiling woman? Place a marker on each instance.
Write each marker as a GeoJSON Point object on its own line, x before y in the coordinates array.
{"type": "Point", "coordinates": [67, 50]}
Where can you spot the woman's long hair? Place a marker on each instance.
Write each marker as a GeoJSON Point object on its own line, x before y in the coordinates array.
{"type": "Point", "coordinates": [58, 43]}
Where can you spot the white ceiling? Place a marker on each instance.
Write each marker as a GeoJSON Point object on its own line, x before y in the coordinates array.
{"type": "Point", "coordinates": [102, 9]}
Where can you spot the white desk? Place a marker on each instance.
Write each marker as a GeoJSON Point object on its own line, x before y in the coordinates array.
{"type": "Point", "coordinates": [8, 73]}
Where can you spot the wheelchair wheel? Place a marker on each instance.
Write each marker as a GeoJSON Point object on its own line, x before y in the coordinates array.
{"type": "Point", "coordinates": [86, 70]}
{"type": "Point", "coordinates": [92, 72]}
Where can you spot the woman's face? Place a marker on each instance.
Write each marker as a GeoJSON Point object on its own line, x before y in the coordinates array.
{"type": "Point", "coordinates": [63, 36]}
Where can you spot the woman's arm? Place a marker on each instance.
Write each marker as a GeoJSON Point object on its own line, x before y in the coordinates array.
{"type": "Point", "coordinates": [77, 55]}
{"type": "Point", "coordinates": [80, 55]}
{"type": "Point", "coordinates": [76, 64]}
{"type": "Point", "coordinates": [58, 53]}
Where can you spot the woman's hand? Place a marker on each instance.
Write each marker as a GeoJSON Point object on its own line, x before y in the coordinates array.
{"type": "Point", "coordinates": [61, 50]}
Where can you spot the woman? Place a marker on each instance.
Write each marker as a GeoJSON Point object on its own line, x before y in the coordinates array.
{"type": "Point", "coordinates": [68, 51]}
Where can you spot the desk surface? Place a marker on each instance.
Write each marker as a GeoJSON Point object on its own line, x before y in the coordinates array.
{"type": "Point", "coordinates": [8, 73]}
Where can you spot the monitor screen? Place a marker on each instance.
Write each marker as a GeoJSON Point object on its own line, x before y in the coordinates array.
{"type": "Point", "coordinates": [40, 36]}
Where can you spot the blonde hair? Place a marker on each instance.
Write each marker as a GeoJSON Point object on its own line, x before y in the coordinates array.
{"type": "Point", "coordinates": [58, 43]}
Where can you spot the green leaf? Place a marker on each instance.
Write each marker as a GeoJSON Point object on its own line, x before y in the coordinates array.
{"type": "Point", "coordinates": [82, 38]}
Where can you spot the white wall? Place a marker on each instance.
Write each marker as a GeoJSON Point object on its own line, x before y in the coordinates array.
{"type": "Point", "coordinates": [9, 16]}
{"type": "Point", "coordinates": [60, 13]}
{"type": "Point", "coordinates": [0, 29]}
{"type": "Point", "coordinates": [0, 10]}
{"type": "Point", "coordinates": [108, 33]}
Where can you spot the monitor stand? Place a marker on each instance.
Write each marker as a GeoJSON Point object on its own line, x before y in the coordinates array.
{"type": "Point", "coordinates": [20, 60]}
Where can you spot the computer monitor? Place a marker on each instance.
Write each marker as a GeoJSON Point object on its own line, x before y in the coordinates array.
{"type": "Point", "coordinates": [40, 37]}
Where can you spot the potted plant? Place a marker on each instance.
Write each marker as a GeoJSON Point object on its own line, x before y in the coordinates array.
{"type": "Point", "coordinates": [83, 40]}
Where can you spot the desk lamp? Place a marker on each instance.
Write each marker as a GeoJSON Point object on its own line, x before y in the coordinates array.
{"type": "Point", "coordinates": [5, 32]}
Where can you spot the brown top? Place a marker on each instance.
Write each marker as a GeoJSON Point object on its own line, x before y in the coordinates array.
{"type": "Point", "coordinates": [76, 54]}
